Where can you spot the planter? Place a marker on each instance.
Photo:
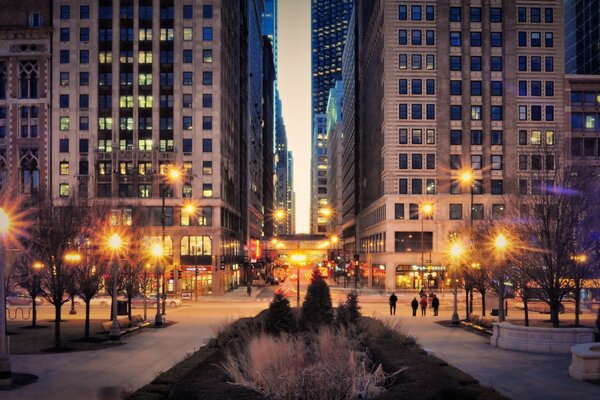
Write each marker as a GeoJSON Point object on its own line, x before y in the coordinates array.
{"type": "Point", "coordinates": [585, 362]}
{"type": "Point", "coordinates": [539, 340]}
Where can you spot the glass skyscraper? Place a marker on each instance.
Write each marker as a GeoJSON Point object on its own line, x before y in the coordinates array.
{"type": "Point", "coordinates": [582, 36]}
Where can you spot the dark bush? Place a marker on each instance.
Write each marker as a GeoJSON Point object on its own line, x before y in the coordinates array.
{"type": "Point", "coordinates": [280, 317]}
{"type": "Point", "coordinates": [316, 308]}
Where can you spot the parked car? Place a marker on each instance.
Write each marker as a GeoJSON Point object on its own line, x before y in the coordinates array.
{"type": "Point", "coordinates": [21, 299]}
{"type": "Point", "coordinates": [138, 301]}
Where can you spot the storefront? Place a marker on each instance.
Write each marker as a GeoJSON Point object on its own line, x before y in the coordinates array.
{"type": "Point", "coordinates": [196, 281]}
{"type": "Point", "coordinates": [378, 274]}
{"type": "Point", "coordinates": [418, 276]}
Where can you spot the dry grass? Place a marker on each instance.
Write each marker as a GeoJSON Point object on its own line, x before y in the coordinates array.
{"type": "Point", "coordinates": [323, 366]}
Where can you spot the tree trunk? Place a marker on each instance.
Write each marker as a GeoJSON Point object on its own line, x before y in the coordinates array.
{"type": "Point", "coordinates": [33, 314]}
{"type": "Point", "coordinates": [57, 318]}
{"type": "Point", "coordinates": [471, 300]}
{"type": "Point", "coordinates": [483, 303]}
{"type": "Point", "coordinates": [526, 305]}
{"type": "Point", "coordinates": [467, 303]}
{"type": "Point", "coordinates": [129, 306]}
{"type": "Point", "coordinates": [554, 311]}
{"type": "Point", "coordinates": [87, 319]}
{"type": "Point", "coordinates": [577, 302]}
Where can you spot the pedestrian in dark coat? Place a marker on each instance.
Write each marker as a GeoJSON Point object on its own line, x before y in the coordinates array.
{"type": "Point", "coordinates": [435, 303]}
{"type": "Point", "coordinates": [414, 304]}
{"type": "Point", "coordinates": [393, 301]}
{"type": "Point", "coordinates": [423, 306]}
{"type": "Point", "coordinates": [249, 289]}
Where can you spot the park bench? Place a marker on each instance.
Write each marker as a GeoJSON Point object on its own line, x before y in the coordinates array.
{"type": "Point", "coordinates": [482, 324]}
{"type": "Point", "coordinates": [126, 325]}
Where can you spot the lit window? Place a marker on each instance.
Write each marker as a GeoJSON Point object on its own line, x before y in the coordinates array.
{"type": "Point", "coordinates": [188, 34]}
{"type": "Point", "coordinates": [64, 123]}
{"type": "Point", "coordinates": [207, 190]}
{"type": "Point", "coordinates": [63, 190]}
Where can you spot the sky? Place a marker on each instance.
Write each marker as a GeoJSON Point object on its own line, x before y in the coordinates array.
{"type": "Point", "coordinates": [294, 82]}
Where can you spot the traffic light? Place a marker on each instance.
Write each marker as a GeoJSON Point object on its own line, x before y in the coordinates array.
{"type": "Point", "coordinates": [179, 274]}
{"type": "Point", "coordinates": [171, 277]}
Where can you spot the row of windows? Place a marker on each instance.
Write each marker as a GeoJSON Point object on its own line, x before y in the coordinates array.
{"type": "Point", "coordinates": [476, 63]}
{"type": "Point", "coordinates": [416, 61]}
{"type": "Point", "coordinates": [534, 88]}
{"type": "Point", "coordinates": [476, 39]}
{"type": "Point", "coordinates": [585, 147]}
{"type": "Point", "coordinates": [144, 57]}
{"type": "Point", "coordinates": [416, 136]}
{"type": "Point", "coordinates": [144, 190]}
{"type": "Point", "coordinates": [416, 12]}
{"type": "Point", "coordinates": [476, 88]}
{"type": "Point", "coordinates": [535, 186]}
{"type": "Point", "coordinates": [585, 121]}
{"type": "Point", "coordinates": [455, 161]}
{"type": "Point", "coordinates": [534, 113]}
{"type": "Point", "coordinates": [535, 64]}
{"type": "Point", "coordinates": [535, 15]}
{"type": "Point", "coordinates": [127, 123]}
{"type": "Point", "coordinates": [536, 162]}
{"type": "Point", "coordinates": [416, 86]}
{"type": "Point", "coordinates": [416, 37]}
{"type": "Point", "coordinates": [416, 186]}
{"type": "Point", "coordinates": [585, 98]}
{"type": "Point", "coordinates": [416, 161]}
{"type": "Point", "coordinates": [496, 113]}
{"type": "Point", "coordinates": [475, 14]}
{"type": "Point", "coordinates": [145, 12]}
{"type": "Point", "coordinates": [535, 39]}
{"type": "Point", "coordinates": [416, 111]}
{"type": "Point", "coordinates": [127, 34]}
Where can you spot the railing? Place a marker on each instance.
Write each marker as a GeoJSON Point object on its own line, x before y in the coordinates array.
{"type": "Point", "coordinates": [14, 316]}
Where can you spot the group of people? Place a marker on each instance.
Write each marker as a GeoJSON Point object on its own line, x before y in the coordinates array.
{"type": "Point", "coordinates": [433, 301]}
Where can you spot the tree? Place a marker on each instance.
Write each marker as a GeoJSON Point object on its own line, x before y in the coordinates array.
{"type": "Point", "coordinates": [51, 236]}
{"type": "Point", "coordinates": [132, 269]}
{"type": "Point", "coordinates": [553, 221]}
{"type": "Point", "coordinates": [26, 273]}
{"type": "Point", "coordinates": [280, 317]}
{"type": "Point", "coordinates": [316, 308]}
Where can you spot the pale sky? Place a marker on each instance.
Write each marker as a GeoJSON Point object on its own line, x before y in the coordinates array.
{"type": "Point", "coordinates": [294, 82]}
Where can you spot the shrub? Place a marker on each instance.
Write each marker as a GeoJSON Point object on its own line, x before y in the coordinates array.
{"type": "Point", "coordinates": [316, 308]}
{"type": "Point", "coordinates": [348, 311]}
{"type": "Point", "coordinates": [280, 317]}
{"type": "Point", "coordinates": [320, 366]}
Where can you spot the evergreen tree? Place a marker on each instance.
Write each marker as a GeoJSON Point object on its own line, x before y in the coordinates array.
{"type": "Point", "coordinates": [280, 317]}
{"type": "Point", "coordinates": [316, 308]}
{"type": "Point", "coordinates": [352, 304]}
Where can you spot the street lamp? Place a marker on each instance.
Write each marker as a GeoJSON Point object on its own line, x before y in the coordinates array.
{"type": "Point", "coordinates": [456, 250]}
{"type": "Point", "coordinates": [72, 258]}
{"type": "Point", "coordinates": [466, 177]}
{"type": "Point", "coordinates": [426, 212]}
{"type": "Point", "coordinates": [157, 252]}
{"type": "Point", "coordinates": [501, 243]}
{"type": "Point", "coordinates": [114, 244]}
{"type": "Point", "coordinates": [5, 371]}
{"type": "Point", "coordinates": [298, 258]}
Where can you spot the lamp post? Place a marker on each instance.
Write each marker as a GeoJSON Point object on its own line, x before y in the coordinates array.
{"type": "Point", "coordinates": [456, 251]}
{"type": "Point", "coordinates": [172, 174]}
{"type": "Point", "coordinates": [37, 266]}
{"type": "Point", "coordinates": [501, 243]}
{"type": "Point", "coordinates": [146, 267]}
{"type": "Point", "coordinates": [72, 258]}
{"type": "Point", "coordinates": [466, 177]}
{"type": "Point", "coordinates": [114, 243]}
{"type": "Point", "coordinates": [5, 370]}
{"type": "Point", "coordinates": [157, 252]}
{"type": "Point", "coordinates": [426, 212]}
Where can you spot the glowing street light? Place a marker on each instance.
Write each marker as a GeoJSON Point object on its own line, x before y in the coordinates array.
{"type": "Point", "coordinates": [456, 251]}
{"type": "Point", "coordinates": [426, 212]}
{"type": "Point", "coordinates": [72, 258]}
{"type": "Point", "coordinates": [5, 370]}
{"type": "Point", "coordinates": [298, 258]}
{"type": "Point", "coordinates": [501, 244]}
{"type": "Point", "coordinates": [157, 251]}
{"type": "Point", "coordinates": [114, 243]}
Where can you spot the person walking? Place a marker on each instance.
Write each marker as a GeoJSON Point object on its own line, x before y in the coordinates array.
{"type": "Point", "coordinates": [393, 301]}
{"type": "Point", "coordinates": [435, 303]}
{"type": "Point", "coordinates": [423, 306]}
{"type": "Point", "coordinates": [414, 304]}
{"type": "Point", "coordinates": [249, 288]}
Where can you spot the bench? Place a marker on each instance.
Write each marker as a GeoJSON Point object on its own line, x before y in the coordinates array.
{"type": "Point", "coordinates": [126, 325]}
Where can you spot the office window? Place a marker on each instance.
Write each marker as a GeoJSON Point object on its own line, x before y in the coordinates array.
{"type": "Point", "coordinates": [415, 37]}
{"type": "Point", "coordinates": [403, 161]}
{"type": "Point", "coordinates": [84, 101]}
{"type": "Point", "coordinates": [522, 14]}
{"type": "Point", "coordinates": [522, 63]}
{"type": "Point", "coordinates": [187, 78]}
{"type": "Point", "coordinates": [64, 34]}
{"type": "Point", "coordinates": [475, 39]}
{"type": "Point", "coordinates": [188, 34]}
{"type": "Point", "coordinates": [430, 161]}
{"type": "Point", "coordinates": [403, 136]}
{"type": "Point", "coordinates": [417, 111]}
{"type": "Point", "coordinates": [475, 63]}
{"type": "Point", "coordinates": [476, 137]}
{"type": "Point", "coordinates": [549, 113]}
{"type": "Point", "coordinates": [496, 63]}
{"type": "Point", "coordinates": [536, 64]}
{"type": "Point", "coordinates": [63, 190]}
{"type": "Point", "coordinates": [536, 14]}
{"type": "Point", "coordinates": [522, 36]}
{"type": "Point", "coordinates": [455, 211]}
{"type": "Point", "coordinates": [207, 100]}
{"type": "Point", "coordinates": [549, 88]}
{"type": "Point", "coordinates": [65, 12]}
{"type": "Point", "coordinates": [64, 168]}
{"type": "Point", "coordinates": [497, 113]}
{"type": "Point", "coordinates": [497, 187]}
{"type": "Point", "coordinates": [403, 186]}
{"type": "Point", "coordinates": [496, 88]}
{"type": "Point", "coordinates": [402, 12]}
{"type": "Point", "coordinates": [398, 211]}
{"type": "Point", "coordinates": [207, 11]}
{"type": "Point", "coordinates": [402, 37]}
{"type": "Point", "coordinates": [496, 39]}
{"type": "Point", "coordinates": [475, 88]}
{"type": "Point", "coordinates": [455, 161]}
{"type": "Point", "coordinates": [402, 86]}
{"type": "Point", "coordinates": [475, 14]}
{"type": "Point", "coordinates": [430, 186]}
{"type": "Point", "coordinates": [417, 161]}
{"type": "Point", "coordinates": [187, 123]}
{"type": "Point", "coordinates": [416, 61]}
{"type": "Point", "coordinates": [496, 138]}
{"type": "Point", "coordinates": [430, 38]}
{"type": "Point", "coordinates": [536, 113]}
{"type": "Point", "coordinates": [476, 162]}
{"type": "Point", "coordinates": [416, 86]}
{"type": "Point", "coordinates": [402, 111]}
{"type": "Point", "coordinates": [417, 136]}
{"type": "Point", "coordinates": [63, 101]}
{"type": "Point", "coordinates": [536, 39]}
{"type": "Point", "coordinates": [207, 33]}
{"type": "Point", "coordinates": [455, 112]}
{"type": "Point", "coordinates": [522, 137]}
{"type": "Point", "coordinates": [495, 14]}
{"type": "Point", "coordinates": [455, 63]}
{"type": "Point", "coordinates": [455, 137]}
{"type": "Point", "coordinates": [84, 56]}
{"type": "Point", "coordinates": [455, 14]}
{"type": "Point", "coordinates": [207, 190]}
{"type": "Point", "coordinates": [550, 138]}
{"type": "Point", "coordinates": [187, 144]}
{"type": "Point", "coordinates": [455, 88]}
{"type": "Point", "coordinates": [455, 39]}
{"type": "Point", "coordinates": [476, 113]}
{"type": "Point", "coordinates": [187, 56]}
{"type": "Point", "coordinates": [415, 13]}
{"type": "Point", "coordinates": [455, 186]}
{"type": "Point", "coordinates": [548, 15]}
{"type": "Point", "coordinates": [536, 138]}
{"type": "Point", "coordinates": [207, 78]}
{"type": "Point", "coordinates": [207, 123]}
{"type": "Point", "coordinates": [522, 113]}
{"type": "Point", "coordinates": [430, 62]}
{"type": "Point", "coordinates": [430, 111]}
{"type": "Point", "coordinates": [64, 56]}
{"type": "Point", "coordinates": [523, 162]}
{"type": "Point", "coordinates": [429, 13]}
{"type": "Point", "coordinates": [84, 123]}
{"type": "Point", "coordinates": [549, 39]}
{"type": "Point", "coordinates": [207, 56]}
{"type": "Point", "coordinates": [549, 162]}
{"type": "Point", "coordinates": [536, 88]}
{"type": "Point", "coordinates": [188, 11]}
{"type": "Point", "coordinates": [498, 211]}
{"type": "Point", "coordinates": [64, 123]}
{"type": "Point", "coordinates": [496, 162]}
{"type": "Point", "coordinates": [207, 145]}
{"type": "Point", "coordinates": [416, 186]}
{"type": "Point", "coordinates": [402, 61]}
{"type": "Point", "coordinates": [549, 64]}
{"type": "Point", "coordinates": [84, 12]}
{"type": "Point", "coordinates": [522, 88]}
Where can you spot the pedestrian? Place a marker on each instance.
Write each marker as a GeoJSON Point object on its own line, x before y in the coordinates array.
{"type": "Point", "coordinates": [435, 302]}
{"type": "Point", "coordinates": [249, 288]}
{"type": "Point", "coordinates": [414, 304]}
{"type": "Point", "coordinates": [423, 306]}
{"type": "Point", "coordinates": [393, 300]}
{"type": "Point", "coordinates": [422, 292]}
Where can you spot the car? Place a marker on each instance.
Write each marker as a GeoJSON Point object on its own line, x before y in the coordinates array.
{"type": "Point", "coordinates": [21, 299]}
{"type": "Point", "coordinates": [138, 301]}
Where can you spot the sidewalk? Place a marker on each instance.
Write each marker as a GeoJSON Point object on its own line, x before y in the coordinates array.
{"type": "Point", "coordinates": [236, 295]}
{"type": "Point", "coordinates": [518, 375]}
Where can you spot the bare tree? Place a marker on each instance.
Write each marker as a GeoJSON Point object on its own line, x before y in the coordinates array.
{"type": "Point", "coordinates": [26, 273]}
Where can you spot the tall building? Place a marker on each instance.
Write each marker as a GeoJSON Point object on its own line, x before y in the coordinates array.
{"type": "Point", "coordinates": [582, 100]}
{"type": "Point", "coordinates": [329, 27]}
{"type": "Point", "coordinates": [334, 132]}
{"type": "Point", "coordinates": [443, 88]}
{"type": "Point", "coordinates": [270, 24]}
{"type": "Point", "coordinates": [25, 73]}
{"type": "Point", "coordinates": [582, 36]}
{"type": "Point", "coordinates": [291, 195]}
{"type": "Point", "coordinates": [268, 130]}
{"type": "Point", "coordinates": [141, 87]}
{"type": "Point", "coordinates": [318, 176]}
